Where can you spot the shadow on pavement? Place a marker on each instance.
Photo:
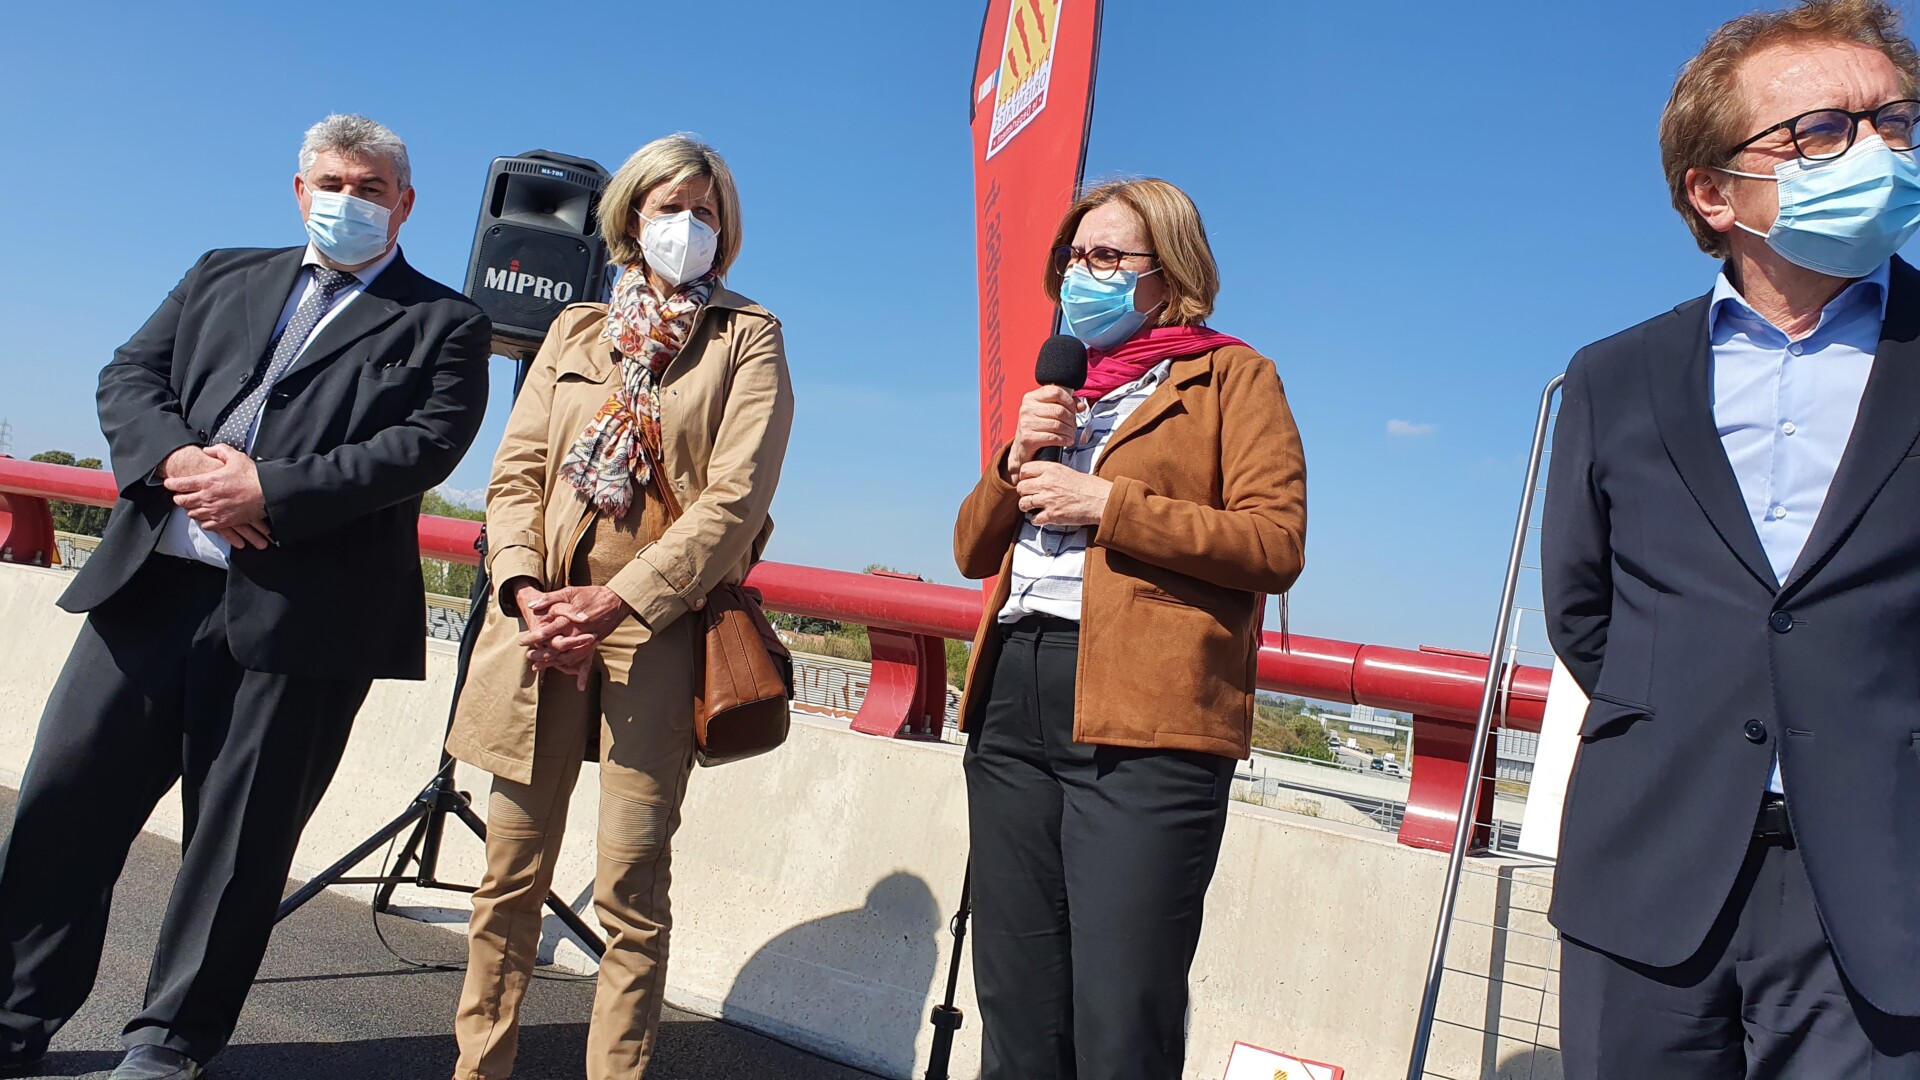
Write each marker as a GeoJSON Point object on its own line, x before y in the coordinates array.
{"type": "Point", "coordinates": [331, 1003]}
{"type": "Point", "coordinates": [80, 1063]}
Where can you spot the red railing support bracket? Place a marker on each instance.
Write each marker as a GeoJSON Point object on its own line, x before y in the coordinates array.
{"type": "Point", "coordinates": [1439, 756]}
{"type": "Point", "coordinates": [26, 530]}
{"type": "Point", "coordinates": [907, 691]}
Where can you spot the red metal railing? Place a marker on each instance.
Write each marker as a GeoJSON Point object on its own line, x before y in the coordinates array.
{"type": "Point", "coordinates": [908, 621]}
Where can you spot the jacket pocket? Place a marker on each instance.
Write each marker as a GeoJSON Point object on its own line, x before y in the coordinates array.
{"type": "Point", "coordinates": [1161, 596]}
{"type": "Point", "coordinates": [1916, 744]}
{"type": "Point", "coordinates": [1176, 669]}
{"type": "Point", "coordinates": [1606, 715]}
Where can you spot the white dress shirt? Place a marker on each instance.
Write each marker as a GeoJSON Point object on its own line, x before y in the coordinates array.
{"type": "Point", "coordinates": [183, 537]}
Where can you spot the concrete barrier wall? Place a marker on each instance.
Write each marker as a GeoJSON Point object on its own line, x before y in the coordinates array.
{"type": "Point", "coordinates": [812, 889]}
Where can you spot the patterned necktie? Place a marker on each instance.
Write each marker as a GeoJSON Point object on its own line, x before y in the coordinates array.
{"type": "Point", "coordinates": [239, 419]}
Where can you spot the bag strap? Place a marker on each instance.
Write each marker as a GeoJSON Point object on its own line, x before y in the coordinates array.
{"type": "Point", "coordinates": [660, 486]}
{"type": "Point", "coordinates": [659, 474]}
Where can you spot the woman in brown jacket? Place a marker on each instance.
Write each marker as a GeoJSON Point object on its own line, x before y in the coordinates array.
{"type": "Point", "coordinates": [1112, 685]}
{"type": "Point", "coordinates": [588, 650]}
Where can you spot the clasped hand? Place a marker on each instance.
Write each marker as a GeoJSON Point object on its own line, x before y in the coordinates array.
{"type": "Point", "coordinates": [566, 626]}
{"type": "Point", "coordinates": [219, 488]}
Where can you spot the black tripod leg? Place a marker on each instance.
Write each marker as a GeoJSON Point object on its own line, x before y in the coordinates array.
{"type": "Point", "coordinates": [408, 853]}
{"type": "Point", "coordinates": [319, 882]}
{"type": "Point", "coordinates": [439, 798]}
{"type": "Point", "coordinates": [946, 1016]}
{"type": "Point", "coordinates": [584, 934]}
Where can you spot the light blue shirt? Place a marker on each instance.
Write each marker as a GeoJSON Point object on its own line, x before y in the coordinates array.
{"type": "Point", "coordinates": [182, 537]}
{"type": "Point", "coordinates": [1785, 409]}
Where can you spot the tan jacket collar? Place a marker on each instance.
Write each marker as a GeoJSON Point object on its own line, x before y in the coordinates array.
{"type": "Point", "coordinates": [594, 362]}
{"type": "Point", "coordinates": [724, 297]}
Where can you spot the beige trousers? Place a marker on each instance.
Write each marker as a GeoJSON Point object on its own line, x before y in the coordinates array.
{"type": "Point", "coordinates": [639, 702]}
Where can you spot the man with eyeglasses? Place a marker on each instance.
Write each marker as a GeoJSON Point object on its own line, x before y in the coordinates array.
{"type": "Point", "coordinates": [1732, 571]}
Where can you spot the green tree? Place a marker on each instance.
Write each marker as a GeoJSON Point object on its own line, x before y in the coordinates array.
{"type": "Point", "coordinates": [958, 653]}
{"type": "Point", "coordinates": [72, 517]}
{"type": "Point", "coordinates": [801, 624]}
{"type": "Point", "coordinates": [448, 578]}
{"type": "Point", "coordinates": [1287, 726]}
{"type": "Point", "coordinates": [437, 505]}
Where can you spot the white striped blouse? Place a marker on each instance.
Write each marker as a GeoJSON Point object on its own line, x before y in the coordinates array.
{"type": "Point", "coordinates": [1049, 561]}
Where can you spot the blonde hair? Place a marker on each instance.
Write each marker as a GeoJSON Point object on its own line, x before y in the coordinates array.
{"type": "Point", "coordinates": [671, 161]}
{"type": "Point", "coordinates": [1704, 118]}
{"type": "Point", "coordinates": [1179, 241]}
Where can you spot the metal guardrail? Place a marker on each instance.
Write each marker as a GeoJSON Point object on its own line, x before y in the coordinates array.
{"type": "Point", "coordinates": [823, 683]}
{"type": "Point", "coordinates": [1493, 691]}
{"type": "Point", "coordinates": [909, 620]}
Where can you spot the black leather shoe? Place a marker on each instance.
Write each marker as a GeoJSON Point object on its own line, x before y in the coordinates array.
{"type": "Point", "coordinates": [21, 1062]}
{"type": "Point", "coordinates": [156, 1063]}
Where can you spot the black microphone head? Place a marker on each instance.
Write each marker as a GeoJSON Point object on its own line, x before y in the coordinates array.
{"type": "Point", "coordinates": [1063, 362]}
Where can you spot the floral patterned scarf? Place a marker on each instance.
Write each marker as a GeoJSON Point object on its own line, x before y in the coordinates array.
{"type": "Point", "coordinates": [647, 332]}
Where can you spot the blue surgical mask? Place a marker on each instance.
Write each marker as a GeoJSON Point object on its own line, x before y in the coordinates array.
{"type": "Point", "coordinates": [1100, 311]}
{"type": "Point", "coordinates": [1846, 216]}
{"type": "Point", "coordinates": [347, 230]}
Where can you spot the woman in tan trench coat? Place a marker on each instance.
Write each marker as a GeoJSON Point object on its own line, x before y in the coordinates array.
{"type": "Point", "coordinates": [588, 645]}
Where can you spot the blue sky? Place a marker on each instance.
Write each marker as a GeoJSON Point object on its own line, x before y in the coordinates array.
{"type": "Point", "coordinates": [1420, 211]}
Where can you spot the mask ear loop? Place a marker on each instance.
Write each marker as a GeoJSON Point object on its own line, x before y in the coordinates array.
{"type": "Point", "coordinates": [1737, 223]}
{"type": "Point", "coordinates": [1149, 312]}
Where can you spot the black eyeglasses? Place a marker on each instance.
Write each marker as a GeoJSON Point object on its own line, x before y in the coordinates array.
{"type": "Point", "coordinates": [1101, 262]}
{"type": "Point", "coordinates": [1825, 134]}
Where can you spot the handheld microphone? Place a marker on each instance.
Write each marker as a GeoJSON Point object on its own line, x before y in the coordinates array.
{"type": "Point", "coordinates": [1062, 363]}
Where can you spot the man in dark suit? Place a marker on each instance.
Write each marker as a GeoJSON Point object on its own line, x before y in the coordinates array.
{"type": "Point", "coordinates": [272, 429]}
{"type": "Point", "coordinates": [1732, 571]}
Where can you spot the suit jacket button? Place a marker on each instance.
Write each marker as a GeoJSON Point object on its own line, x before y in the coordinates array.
{"type": "Point", "coordinates": [1756, 732]}
{"type": "Point", "coordinates": [1781, 621]}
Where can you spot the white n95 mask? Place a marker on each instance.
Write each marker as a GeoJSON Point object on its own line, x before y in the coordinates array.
{"type": "Point", "coordinates": [678, 247]}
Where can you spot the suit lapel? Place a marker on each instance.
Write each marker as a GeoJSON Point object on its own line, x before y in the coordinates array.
{"type": "Point", "coordinates": [268, 287]}
{"type": "Point", "coordinates": [1885, 430]}
{"type": "Point", "coordinates": [376, 306]}
{"type": "Point", "coordinates": [1683, 410]}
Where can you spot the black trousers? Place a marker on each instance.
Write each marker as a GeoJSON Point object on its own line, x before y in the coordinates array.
{"type": "Point", "coordinates": [152, 694]}
{"type": "Point", "coordinates": [1762, 1000]}
{"type": "Point", "coordinates": [1090, 869]}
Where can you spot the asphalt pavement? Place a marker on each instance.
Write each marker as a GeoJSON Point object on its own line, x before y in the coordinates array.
{"type": "Point", "coordinates": [332, 1004]}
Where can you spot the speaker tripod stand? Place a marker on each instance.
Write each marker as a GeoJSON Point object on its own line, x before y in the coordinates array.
{"type": "Point", "coordinates": [428, 813]}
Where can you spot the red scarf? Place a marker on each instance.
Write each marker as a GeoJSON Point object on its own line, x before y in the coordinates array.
{"type": "Point", "coordinates": [1110, 369]}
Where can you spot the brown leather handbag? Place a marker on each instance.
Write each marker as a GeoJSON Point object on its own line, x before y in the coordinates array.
{"type": "Point", "coordinates": [741, 700]}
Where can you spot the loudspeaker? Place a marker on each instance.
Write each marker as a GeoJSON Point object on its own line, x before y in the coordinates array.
{"type": "Point", "coordinates": [537, 247]}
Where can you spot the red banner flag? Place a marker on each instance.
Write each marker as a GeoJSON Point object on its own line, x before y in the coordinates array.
{"type": "Point", "coordinates": [1032, 99]}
